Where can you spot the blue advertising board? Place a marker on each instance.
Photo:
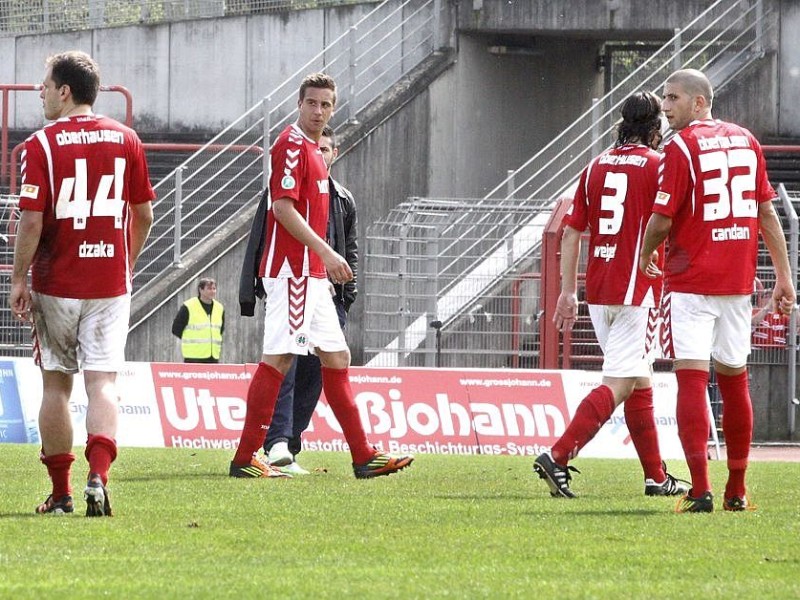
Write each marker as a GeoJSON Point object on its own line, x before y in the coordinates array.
{"type": "Point", "coordinates": [15, 427]}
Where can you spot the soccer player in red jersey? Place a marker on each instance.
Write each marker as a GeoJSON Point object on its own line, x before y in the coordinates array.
{"type": "Point", "coordinates": [86, 214]}
{"type": "Point", "coordinates": [300, 315]}
{"type": "Point", "coordinates": [713, 200]}
{"type": "Point", "coordinates": [613, 201]}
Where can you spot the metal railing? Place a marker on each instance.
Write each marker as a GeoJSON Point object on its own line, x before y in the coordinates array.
{"type": "Point", "coordinates": [789, 202]}
{"type": "Point", "coordinates": [366, 60]}
{"type": "Point", "coordinates": [722, 41]}
{"type": "Point", "coordinates": [458, 264]}
{"type": "Point", "coordinates": [6, 89]}
{"type": "Point", "coordinates": [23, 17]}
{"type": "Point", "coordinates": [15, 338]}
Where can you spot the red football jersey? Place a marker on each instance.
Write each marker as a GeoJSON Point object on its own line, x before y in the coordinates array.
{"type": "Point", "coordinates": [299, 173]}
{"type": "Point", "coordinates": [713, 178]}
{"type": "Point", "coordinates": [614, 200]}
{"type": "Point", "coordinates": [82, 172]}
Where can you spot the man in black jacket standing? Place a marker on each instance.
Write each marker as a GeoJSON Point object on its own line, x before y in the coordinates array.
{"type": "Point", "coordinates": [302, 385]}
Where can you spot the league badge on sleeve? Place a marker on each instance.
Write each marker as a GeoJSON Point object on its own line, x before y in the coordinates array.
{"type": "Point", "coordinates": [287, 182]}
{"type": "Point", "coordinates": [29, 190]}
{"type": "Point", "coordinates": [662, 198]}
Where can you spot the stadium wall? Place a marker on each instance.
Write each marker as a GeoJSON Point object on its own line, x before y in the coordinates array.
{"type": "Point", "coordinates": [187, 75]}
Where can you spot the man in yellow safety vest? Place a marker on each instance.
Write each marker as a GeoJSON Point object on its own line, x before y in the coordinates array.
{"type": "Point", "coordinates": [199, 325]}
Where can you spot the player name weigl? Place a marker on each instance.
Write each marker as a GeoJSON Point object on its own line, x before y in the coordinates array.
{"type": "Point", "coordinates": [101, 250]}
{"type": "Point", "coordinates": [97, 136]}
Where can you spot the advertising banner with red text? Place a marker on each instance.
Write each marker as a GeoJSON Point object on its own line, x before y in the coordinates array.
{"type": "Point", "coordinates": [444, 411]}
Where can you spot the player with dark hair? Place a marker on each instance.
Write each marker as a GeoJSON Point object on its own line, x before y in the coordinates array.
{"type": "Point", "coordinates": [86, 214]}
{"type": "Point", "coordinates": [299, 311]}
{"type": "Point", "coordinates": [613, 200]}
{"type": "Point", "coordinates": [713, 199]}
{"type": "Point", "coordinates": [302, 385]}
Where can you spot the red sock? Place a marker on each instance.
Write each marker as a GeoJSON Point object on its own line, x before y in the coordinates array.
{"type": "Point", "coordinates": [737, 426]}
{"type": "Point", "coordinates": [593, 411]}
{"type": "Point", "coordinates": [58, 467]}
{"type": "Point", "coordinates": [261, 397]}
{"type": "Point", "coordinates": [100, 451]}
{"type": "Point", "coordinates": [693, 426]}
{"type": "Point", "coordinates": [336, 384]}
{"type": "Point", "coordinates": [642, 427]}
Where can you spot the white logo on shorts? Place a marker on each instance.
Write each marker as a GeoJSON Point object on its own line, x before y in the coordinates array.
{"type": "Point", "coordinates": [301, 340]}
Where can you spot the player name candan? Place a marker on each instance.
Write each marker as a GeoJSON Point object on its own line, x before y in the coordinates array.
{"type": "Point", "coordinates": [97, 136]}
{"type": "Point", "coordinates": [734, 232]}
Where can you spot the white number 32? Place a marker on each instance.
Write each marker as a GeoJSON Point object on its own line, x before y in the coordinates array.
{"type": "Point", "coordinates": [730, 190]}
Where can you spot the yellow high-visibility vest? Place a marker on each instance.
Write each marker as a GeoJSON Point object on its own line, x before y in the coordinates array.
{"type": "Point", "coordinates": [202, 336]}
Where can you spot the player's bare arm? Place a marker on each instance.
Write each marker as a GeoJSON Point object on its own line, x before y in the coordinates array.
{"type": "Point", "coordinates": [658, 228]}
{"type": "Point", "coordinates": [567, 305]}
{"type": "Point", "coordinates": [28, 235]}
{"type": "Point", "coordinates": [784, 295]}
{"type": "Point", "coordinates": [141, 221]}
{"type": "Point", "coordinates": [286, 214]}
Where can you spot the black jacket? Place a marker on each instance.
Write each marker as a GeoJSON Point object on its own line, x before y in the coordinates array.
{"type": "Point", "coordinates": [342, 215]}
{"type": "Point", "coordinates": [345, 221]}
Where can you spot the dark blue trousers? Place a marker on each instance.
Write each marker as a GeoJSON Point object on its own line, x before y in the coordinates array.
{"type": "Point", "coordinates": [298, 398]}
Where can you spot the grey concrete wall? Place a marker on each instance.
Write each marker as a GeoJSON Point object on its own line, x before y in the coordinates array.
{"type": "Point", "coordinates": [188, 75]}
{"type": "Point", "coordinates": [749, 99]}
{"type": "Point", "coordinates": [609, 19]}
{"type": "Point", "coordinates": [153, 340]}
{"type": "Point", "coordinates": [490, 113]}
{"type": "Point", "coordinates": [770, 404]}
{"type": "Point", "coordinates": [789, 69]}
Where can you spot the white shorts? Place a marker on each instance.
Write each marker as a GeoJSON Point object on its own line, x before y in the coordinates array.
{"type": "Point", "coordinates": [697, 327]}
{"type": "Point", "coordinates": [71, 334]}
{"type": "Point", "coordinates": [299, 317]}
{"type": "Point", "coordinates": [628, 337]}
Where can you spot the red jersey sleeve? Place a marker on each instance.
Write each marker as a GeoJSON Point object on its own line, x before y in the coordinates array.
{"type": "Point", "coordinates": [35, 188]}
{"type": "Point", "coordinates": [577, 216]}
{"type": "Point", "coordinates": [288, 162]}
{"type": "Point", "coordinates": [674, 182]}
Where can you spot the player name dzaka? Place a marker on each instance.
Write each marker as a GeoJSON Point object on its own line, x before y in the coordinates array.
{"type": "Point", "coordinates": [101, 250]}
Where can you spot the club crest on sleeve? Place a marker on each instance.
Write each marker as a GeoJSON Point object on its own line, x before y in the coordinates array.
{"type": "Point", "coordinates": [288, 182]}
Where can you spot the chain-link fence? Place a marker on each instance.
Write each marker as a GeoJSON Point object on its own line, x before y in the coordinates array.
{"type": "Point", "coordinates": [455, 283]}
{"type": "Point", "coordinates": [25, 17]}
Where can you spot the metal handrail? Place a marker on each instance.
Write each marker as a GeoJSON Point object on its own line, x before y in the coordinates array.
{"type": "Point", "coordinates": [791, 339]}
{"type": "Point", "coordinates": [402, 32]}
{"type": "Point", "coordinates": [5, 88]}
{"type": "Point", "coordinates": [714, 36]}
{"type": "Point", "coordinates": [696, 46]}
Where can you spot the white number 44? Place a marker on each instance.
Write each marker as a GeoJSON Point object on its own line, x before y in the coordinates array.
{"type": "Point", "coordinates": [73, 197]}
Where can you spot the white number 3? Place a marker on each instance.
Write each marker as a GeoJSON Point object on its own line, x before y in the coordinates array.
{"type": "Point", "coordinates": [73, 197]}
{"type": "Point", "coordinates": [730, 190]}
{"type": "Point", "coordinates": [614, 203]}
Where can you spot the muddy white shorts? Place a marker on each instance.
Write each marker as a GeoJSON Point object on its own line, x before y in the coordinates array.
{"type": "Point", "coordinates": [697, 327]}
{"type": "Point", "coordinates": [628, 337]}
{"type": "Point", "coordinates": [299, 317]}
{"type": "Point", "coordinates": [71, 334]}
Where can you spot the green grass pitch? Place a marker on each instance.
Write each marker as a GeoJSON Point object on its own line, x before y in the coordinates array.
{"type": "Point", "coordinates": [447, 527]}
